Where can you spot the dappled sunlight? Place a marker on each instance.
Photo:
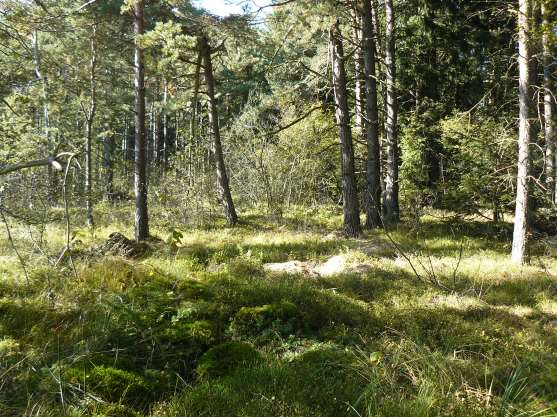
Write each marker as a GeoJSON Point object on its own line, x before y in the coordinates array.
{"type": "Point", "coordinates": [363, 321]}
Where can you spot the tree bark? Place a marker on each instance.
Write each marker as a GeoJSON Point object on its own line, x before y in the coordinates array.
{"type": "Point", "coordinates": [358, 64]}
{"type": "Point", "coordinates": [524, 136]}
{"type": "Point", "coordinates": [371, 124]}
{"type": "Point", "coordinates": [165, 135]}
{"type": "Point", "coordinates": [52, 161]}
{"type": "Point", "coordinates": [108, 149]}
{"type": "Point", "coordinates": [349, 190]}
{"type": "Point", "coordinates": [223, 184]}
{"type": "Point", "coordinates": [548, 105]}
{"type": "Point", "coordinates": [392, 211]}
{"type": "Point", "coordinates": [90, 116]}
{"type": "Point", "coordinates": [140, 171]}
{"type": "Point", "coordinates": [41, 75]}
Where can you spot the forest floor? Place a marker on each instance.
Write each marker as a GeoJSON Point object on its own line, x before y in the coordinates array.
{"type": "Point", "coordinates": [429, 320]}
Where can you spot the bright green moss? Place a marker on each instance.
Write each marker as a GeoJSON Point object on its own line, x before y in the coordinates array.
{"type": "Point", "coordinates": [282, 316]}
{"type": "Point", "coordinates": [225, 358]}
{"type": "Point", "coordinates": [199, 332]}
{"type": "Point", "coordinates": [113, 384]}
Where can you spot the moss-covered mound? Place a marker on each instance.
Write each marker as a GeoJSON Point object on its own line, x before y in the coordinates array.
{"type": "Point", "coordinates": [113, 384]}
{"type": "Point", "coordinates": [225, 358]}
{"type": "Point", "coordinates": [283, 317]}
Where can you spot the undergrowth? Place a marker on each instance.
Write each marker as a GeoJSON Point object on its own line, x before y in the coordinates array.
{"type": "Point", "coordinates": [198, 327]}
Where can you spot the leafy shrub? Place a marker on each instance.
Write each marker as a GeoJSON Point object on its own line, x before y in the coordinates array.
{"type": "Point", "coordinates": [225, 358]}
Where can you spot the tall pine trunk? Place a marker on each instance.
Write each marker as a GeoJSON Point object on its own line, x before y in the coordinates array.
{"type": "Point", "coordinates": [373, 166]}
{"type": "Point", "coordinates": [90, 116]}
{"type": "Point", "coordinates": [108, 164]}
{"type": "Point", "coordinates": [392, 211]}
{"type": "Point", "coordinates": [548, 106]}
{"type": "Point", "coordinates": [358, 64]}
{"type": "Point", "coordinates": [223, 184]}
{"type": "Point", "coordinates": [349, 190]}
{"type": "Point", "coordinates": [524, 136]}
{"type": "Point", "coordinates": [140, 167]}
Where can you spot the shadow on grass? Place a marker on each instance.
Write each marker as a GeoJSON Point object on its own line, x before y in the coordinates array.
{"type": "Point", "coordinates": [451, 235]}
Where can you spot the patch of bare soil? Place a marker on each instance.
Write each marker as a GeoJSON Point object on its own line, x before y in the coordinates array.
{"type": "Point", "coordinates": [338, 264]}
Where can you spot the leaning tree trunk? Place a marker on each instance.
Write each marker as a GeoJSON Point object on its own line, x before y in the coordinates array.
{"type": "Point", "coordinates": [373, 166]}
{"type": "Point", "coordinates": [521, 212]}
{"type": "Point", "coordinates": [349, 190]}
{"type": "Point", "coordinates": [140, 168]}
{"type": "Point", "coordinates": [222, 178]}
{"type": "Point", "coordinates": [392, 211]}
{"type": "Point", "coordinates": [548, 107]}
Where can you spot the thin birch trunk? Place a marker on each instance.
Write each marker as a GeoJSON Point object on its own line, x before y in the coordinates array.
{"type": "Point", "coordinates": [140, 171]}
{"type": "Point", "coordinates": [520, 238]}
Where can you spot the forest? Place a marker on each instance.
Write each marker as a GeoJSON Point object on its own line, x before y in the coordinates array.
{"type": "Point", "coordinates": [290, 208]}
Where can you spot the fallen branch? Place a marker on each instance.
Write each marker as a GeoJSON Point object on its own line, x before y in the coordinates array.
{"type": "Point", "coordinates": [53, 161]}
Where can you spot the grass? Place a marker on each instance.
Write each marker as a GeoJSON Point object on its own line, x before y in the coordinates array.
{"type": "Point", "coordinates": [199, 328]}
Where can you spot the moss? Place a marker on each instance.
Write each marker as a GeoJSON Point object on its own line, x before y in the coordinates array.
{"type": "Point", "coordinates": [200, 332]}
{"type": "Point", "coordinates": [281, 316]}
{"type": "Point", "coordinates": [324, 356]}
{"type": "Point", "coordinates": [221, 360]}
{"type": "Point", "coordinates": [113, 384]}
{"type": "Point", "coordinates": [192, 289]}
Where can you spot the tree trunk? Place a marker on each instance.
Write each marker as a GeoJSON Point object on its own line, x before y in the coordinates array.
{"type": "Point", "coordinates": [349, 190]}
{"type": "Point", "coordinates": [88, 171]}
{"type": "Point", "coordinates": [521, 212]}
{"type": "Point", "coordinates": [90, 116]}
{"type": "Point", "coordinates": [108, 149]}
{"type": "Point", "coordinates": [140, 171]}
{"type": "Point", "coordinates": [46, 115]}
{"type": "Point", "coordinates": [358, 64]}
{"type": "Point", "coordinates": [222, 178]}
{"type": "Point", "coordinates": [548, 106]}
{"type": "Point", "coordinates": [392, 211]}
{"type": "Point", "coordinates": [373, 167]}
{"type": "Point", "coordinates": [165, 135]}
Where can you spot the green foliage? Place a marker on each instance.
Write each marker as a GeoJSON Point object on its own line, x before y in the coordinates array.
{"type": "Point", "coordinates": [225, 358]}
{"type": "Point", "coordinates": [464, 163]}
{"type": "Point", "coordinates": [479, 157]}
